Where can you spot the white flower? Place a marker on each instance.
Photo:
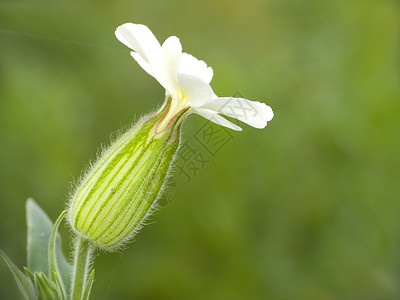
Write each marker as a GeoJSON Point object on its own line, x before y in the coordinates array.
{"type": "Point", "coordinates": [187, 79]}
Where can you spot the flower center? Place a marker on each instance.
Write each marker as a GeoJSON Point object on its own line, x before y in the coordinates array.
{"type": "Point", "coordinates": [176, 104]}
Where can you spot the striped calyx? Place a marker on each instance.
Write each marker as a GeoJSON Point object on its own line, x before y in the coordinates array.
{"type": "Point", "coordinates": [121, 188]}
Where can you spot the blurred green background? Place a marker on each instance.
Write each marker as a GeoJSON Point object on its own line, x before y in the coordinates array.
{"type": "Point", "coordinates": [307, 208]}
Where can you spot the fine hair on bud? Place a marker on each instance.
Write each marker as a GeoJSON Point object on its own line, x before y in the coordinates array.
{"type": "Point", "coordinates": [120, 190]}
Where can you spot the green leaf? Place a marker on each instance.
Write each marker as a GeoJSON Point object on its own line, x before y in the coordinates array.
{"type": "Point", "coordinates": [24, 283]}
{"type": "Point", "coordinates": [40, 229]}
{"type": "Point", "coordinates": [88, 287]}
{"type": "Point", "coordinates": [29, 274]}
{"type": "Point", "coordinates": [45, 288]}
{"type": "Point", "coordinates": [54, 270]}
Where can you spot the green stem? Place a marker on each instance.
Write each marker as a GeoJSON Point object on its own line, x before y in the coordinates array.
{"type": "Point", "coordinates": [83, 253]}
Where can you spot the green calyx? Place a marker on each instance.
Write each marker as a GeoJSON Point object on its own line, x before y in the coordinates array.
{"type": "Point", "coordinates": [121, 189]}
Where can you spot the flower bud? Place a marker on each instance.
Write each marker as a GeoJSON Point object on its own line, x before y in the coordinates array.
{"type": "Point", "coordinates": [121, 188]}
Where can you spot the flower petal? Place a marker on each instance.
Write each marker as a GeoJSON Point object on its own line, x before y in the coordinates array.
{"type": "Point", "coordinates": [217, 119]}
{"type": "Point", "coordinates": [166, 69]}
{"type": "Point", "coordinates": [197, 91]}
{"type": "Point", "coordinates": [139, 38]}
{"type": "Point", "coordinates": [192, 66]}
{"type": "Point", "coordinates": [144, 64]}
{"type": "Point", "coordinates": [253, 113]}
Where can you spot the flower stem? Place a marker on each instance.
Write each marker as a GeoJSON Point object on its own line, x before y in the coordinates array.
{"type": "Point", "coordinates": [83, 253]}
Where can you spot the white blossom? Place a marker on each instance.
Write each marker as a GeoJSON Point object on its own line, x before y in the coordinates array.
{"type": "Point", "coordinates": [187, 79]}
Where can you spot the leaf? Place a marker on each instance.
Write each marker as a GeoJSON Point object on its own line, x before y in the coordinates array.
{"type": "Point", "coordinates": [59, 286]}
{"type": "Point", "coordinates": [64, 267]}
{"type": "Point", "coordinates": [88, 287]}
{"type": "Point", "coordinates": [45, 288]}
{"type": "Point", "coordinates": [40, 229]}
{"type": "Point", "coordinates": [53, 258]}
{"type": "Point", "coordinates": [24, 283]}
{"type": "Point", "coordinates": [29, 274]}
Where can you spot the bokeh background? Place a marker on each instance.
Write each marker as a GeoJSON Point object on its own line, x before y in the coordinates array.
{"type": "Point", "coordinates": [308, 208]}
